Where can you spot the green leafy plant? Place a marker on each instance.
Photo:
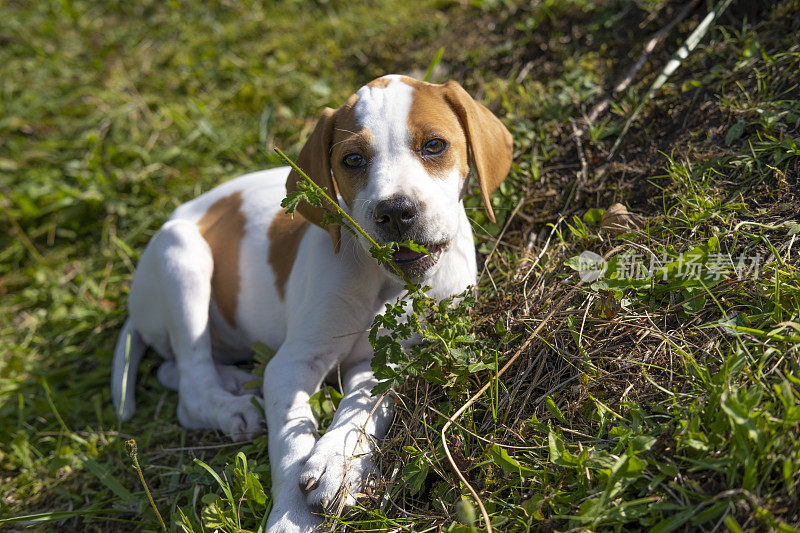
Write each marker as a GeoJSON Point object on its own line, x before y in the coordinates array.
{"type": "Point", "coordinates": [445, 350]}
{"type": "Point", "coordinates": [244, 487]}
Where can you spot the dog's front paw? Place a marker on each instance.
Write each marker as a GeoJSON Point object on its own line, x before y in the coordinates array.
{"type": "Point", "coordinates": [293, 518]}
{"type": "Point", "coordinates": [236, 416]}
{"type": "Point", "coordinates": [333, 480]}
{"type": "Point", "coordinates": [242, 420]}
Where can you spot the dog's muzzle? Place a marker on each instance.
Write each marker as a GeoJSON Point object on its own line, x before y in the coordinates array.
{"type": "Point", "coordinates": [395, 217]}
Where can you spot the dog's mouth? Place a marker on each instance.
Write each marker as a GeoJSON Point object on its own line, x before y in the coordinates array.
{"type": "Point", "coordinates": [414, 264]}
{"type": "Point", "coordinates": [405, 255]}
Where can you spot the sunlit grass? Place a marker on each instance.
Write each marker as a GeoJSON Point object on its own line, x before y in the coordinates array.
{"type": "Point", "coordinates": [669, 403]}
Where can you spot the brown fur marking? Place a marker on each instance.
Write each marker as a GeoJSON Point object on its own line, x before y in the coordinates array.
{"type": "Point", "coordinates": [380, 83]}
{"type": "Point", "coordinates": [223, 229]}
{"type": "Point", "coordinates": [491, 146]}
{"type": "Point", "coordinates": [284, 236]}
{"type": "Point", "coordinates": [431, 117]}
{"type": "Point", "coordinates": [349, 137]}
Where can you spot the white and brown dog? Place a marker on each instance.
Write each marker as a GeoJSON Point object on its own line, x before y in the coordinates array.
{"type": "Point", "coordinates": [231, 268]}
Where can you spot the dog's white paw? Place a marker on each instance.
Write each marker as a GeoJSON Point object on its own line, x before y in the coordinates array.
{"type": "Point", "coordinates": [236, 416]}
{"type": "Point", "coordinates": [243, 420]}
{"type": "Point", "coordinates": [294, 517]}
{"type": "Point", "coordinates": [332, 480]}
{"type": "Point", "coordinates": [235, 380]}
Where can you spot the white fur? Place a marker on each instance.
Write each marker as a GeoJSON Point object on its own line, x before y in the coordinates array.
{"type": "Point", "coordinates": [395, 170]}
{"type": "Point", "coordinates": [318, 329]}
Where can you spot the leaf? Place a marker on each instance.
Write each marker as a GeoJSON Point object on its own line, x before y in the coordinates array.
{"type": "Point", "coordinates": [255, 489]}
{"type": "Point", "coordinates": [533, 505]}
{"type": "Point", "coordinates": [593, 216]}
{"type": "Point", "coordinates": [641, 443]}
{"type": "Point", "coordinates": [734, 132]}
{"type": "Point", "coordinates": [224, 485]}
{"type": "Point", "coordinates": [788, 477]}
{"type": "Point", "coordinates": [330, 217]}
{"type": "Point", "coordinates": [509, 465]}
{"type": "Point", "coordinates": [554, 410]}
{"type": "Point", "coordinates": [435, 61]}
{"type": "Point", "coordinates": [414, 247]}
{"type": "Point", "coordinates": [741, 418]}
{"type": "Point", "coordinates": [732, 525]}
{"type": "Point", "coordinates": [262, 353]}
{"type": "Point", "coordinates": [694, 303]}
{"type": "Point", "coordinates": [252, 485]}
{"type": "Point", "coordinates": [292, 200]}
{"type": "Point", "coordinates": [711, 513]}
{"type": "Point", "coordinates": [324, 403]}
{"type": "Point", "coordinates": [477, 367]}
{"type": "Point", "coordinates": [414, 474]}
{"type": "Point", "coordinates": [589, 265]}
{"type": "Point", "coordinates": [618, 220]}
{"type": "Point", "coordinates": [673, 522]}
{"type": "Point", "coordinates": [383, 253]}
{"type": "Point", "coordinates": [381, 388]}
{"type": "Point", "coordinates": [632, 467]}
{"type": "Point", "coordinates": [108, 479]}
{"type": "Point", "coordinates": [558, 453]}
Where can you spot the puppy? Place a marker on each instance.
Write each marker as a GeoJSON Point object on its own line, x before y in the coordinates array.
{"type": "Point", "coordinates": [230, 268]}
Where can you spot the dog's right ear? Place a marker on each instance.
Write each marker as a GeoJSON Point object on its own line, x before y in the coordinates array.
{"type": "Point", "coordinates": [315, 160]}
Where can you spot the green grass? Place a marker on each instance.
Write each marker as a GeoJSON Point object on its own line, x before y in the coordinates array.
{"type": "Point", "coordinates": [670, 403]}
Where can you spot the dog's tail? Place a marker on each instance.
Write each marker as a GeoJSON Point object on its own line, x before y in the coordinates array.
{"type": "Point", "coordinates": [127, 355]}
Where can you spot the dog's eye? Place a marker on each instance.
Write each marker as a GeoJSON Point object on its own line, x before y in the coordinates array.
{"type": "Point", "coordinates": [434, 146]}
{"type": "Point", "coordinates": [354, 160]}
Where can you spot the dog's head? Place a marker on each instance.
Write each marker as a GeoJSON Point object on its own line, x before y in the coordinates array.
{"type": "Point", "coordinates": [398, 152]}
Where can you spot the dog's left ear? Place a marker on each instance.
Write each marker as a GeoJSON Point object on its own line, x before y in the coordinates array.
{"type": "Point", "coordinates": [489, 141]}
{"type": "Point", "coordinates": [315, 160]}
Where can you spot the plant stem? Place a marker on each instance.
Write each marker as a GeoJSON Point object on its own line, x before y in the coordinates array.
{"type": "Point", "coordinates": [132, 451]}
{"type": "Point", "coordinates": [342, 212]}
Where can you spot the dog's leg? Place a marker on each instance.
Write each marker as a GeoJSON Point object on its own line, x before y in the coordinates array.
{"type": "Point", "coordinates": [342, 460]}
{"type": "Point", "coordinates": [181, 265]}
{"type": "Point", "coordinates": [291, 377]}
{"type": "Point", "coordinates": [326, 319]}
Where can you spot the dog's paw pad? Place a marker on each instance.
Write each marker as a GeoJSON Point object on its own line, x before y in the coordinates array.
{"type": "Point", "coordinates": [331, 481]}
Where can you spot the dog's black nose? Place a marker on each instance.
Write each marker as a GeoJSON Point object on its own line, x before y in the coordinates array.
{"type": "Point", "coordinates": [395, 216]}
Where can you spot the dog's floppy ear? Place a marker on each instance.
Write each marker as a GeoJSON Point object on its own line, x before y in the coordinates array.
{"type": "Point", "coordinates": [489, 141]}
{"type": "Point", "coordinates": [315, 161]}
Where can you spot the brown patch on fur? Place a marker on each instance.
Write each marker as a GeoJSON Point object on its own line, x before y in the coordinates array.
{"type": "Point", "coordinates": [284, 236]}
{"type": "Point", "coordinates": [337, 133]}
{"type": "Point", "coordinates": [432, 117]}
{"type": "Point", "coordinates": [380, 83]}
{"type": "Point", "coordinates": [490, 143]}
{"type": "Point", "coordinates": [223, 229]}
{"type": "Point", "coordinates": [349, 137]}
